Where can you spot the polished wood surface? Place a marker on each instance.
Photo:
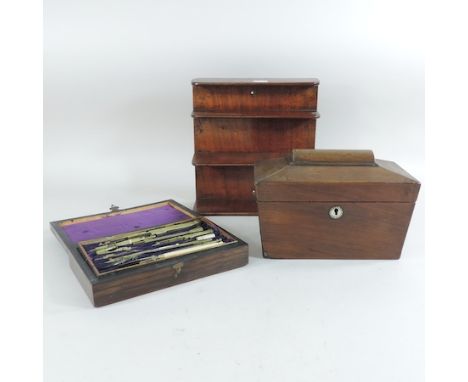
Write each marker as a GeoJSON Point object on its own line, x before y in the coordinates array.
{"type": "Point", "coordinates": [225, 190]}
{"type": "Point", "coordinates": [175, 272]}
{"type": "Point", "coordinates": [230, 183]}
{"type": "Point", "coordinates": [248, 98]}
{"type": "Point", "coordinates": [306, 231]}
{"type": "Point", "coordinates": [341, 157]}
{"type": "Point", "coordinates": [354, 176]}
{"type": "Point", "coordinates": [296, 195]}
{"type": "Point", "coordinates": [268, 114]}
{"type": "Point", "coordinates": [345, 192]}
{"type": "Point", "coordinates": [240, 121]}
{"type": "Point", "coordinates": [252, 135]}
{"type": "Point", "coordinates": [118, 286]}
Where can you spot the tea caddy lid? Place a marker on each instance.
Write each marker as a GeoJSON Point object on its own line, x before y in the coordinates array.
{"type": "Point", "coordinates": [333, 175]}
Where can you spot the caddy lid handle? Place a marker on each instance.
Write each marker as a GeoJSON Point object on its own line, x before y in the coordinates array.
{"type": "Point", "coordinates": [334, 157]}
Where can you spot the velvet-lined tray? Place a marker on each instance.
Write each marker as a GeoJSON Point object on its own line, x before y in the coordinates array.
{"type": "Point", "coordinates": [108, 287]}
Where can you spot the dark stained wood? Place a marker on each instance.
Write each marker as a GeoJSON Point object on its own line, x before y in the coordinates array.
{"type": "Point", "coordinates": [339, 181]}
{"type": "Point", "coordinates": [345, 192]}
{"type": "Point", "coordinates": [225, 182]}
{"type": "Point", "coordinates": [240, 121]}
{"type": "Point", "coordinates": [253, 135]}
{"type": "Point", "coordinates": [248, 98]}
{"type": "Point", "coordinates": [337, 157]}
{"type": "Point", "coordinates": [85, 278]}
{"type": "Point", "coordinates": [176, 272]}
{"type": "Point", "coordinates": [306, 231]}
{"type": "Point", "coordinates": [295, 195]}
{"type": "Point", "coordinates": [225, 189]}
{"type": "Point", "coordinates": [113, 287]}
{"type": "Point", "coordinates": [290, 114]}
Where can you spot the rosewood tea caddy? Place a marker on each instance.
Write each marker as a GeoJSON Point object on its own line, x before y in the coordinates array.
{"type": "Point", "coordinates": [238, 122]}
{"type": "Point", "coordinates": [332, 204]}
{"type": "Point", "coordinates": [84, 237]}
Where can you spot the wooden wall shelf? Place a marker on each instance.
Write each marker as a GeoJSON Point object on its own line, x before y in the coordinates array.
{"type": "Point", "coordinates": [238, 122]}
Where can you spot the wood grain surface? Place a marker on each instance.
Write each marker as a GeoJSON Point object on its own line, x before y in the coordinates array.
{"type": "Point", "coordinates": [240, 121]}
{"type": "Point", "coordinates": [241, 98]}
{"type": "Point", "coordinates": [174, 272]}
{"type": "Point", "coordinates": [300, 197]}
{"type": "Point", "coordinates": [252, 135]}
{"type": "Point", "coordinates": [225, 182]}
{"type": "Point", "coordinates": [306, 231]}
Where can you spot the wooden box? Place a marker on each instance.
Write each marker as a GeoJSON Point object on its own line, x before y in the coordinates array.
{"type": "Point", "coordinates": [238, 122]}
{"type": "Point", "coordinates": [105, 286]}
{"type": "Point", "coordinates": [325, 204]}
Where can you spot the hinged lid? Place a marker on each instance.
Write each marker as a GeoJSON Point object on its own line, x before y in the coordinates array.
{"type": "Point", "coordinates": [333, 175]}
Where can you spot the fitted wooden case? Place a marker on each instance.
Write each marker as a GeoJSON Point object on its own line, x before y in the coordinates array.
{"type": "Point", "coordinates": [238, 122]}
{"type": "Point", "coordinates": [331, 204]}
{"type": "Point", "coordinates": [111, 287]}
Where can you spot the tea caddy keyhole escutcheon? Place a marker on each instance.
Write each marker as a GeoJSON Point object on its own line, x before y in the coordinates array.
{"type": "Point", "coordinates": [335, 212]}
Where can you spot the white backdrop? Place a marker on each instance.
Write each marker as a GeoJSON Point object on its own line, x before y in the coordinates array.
{"type": "Point", "coordinates": [117, 129]}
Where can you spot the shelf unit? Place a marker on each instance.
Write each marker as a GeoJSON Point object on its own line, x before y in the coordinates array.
{"type": "Point", "coordinates": [238, 122]}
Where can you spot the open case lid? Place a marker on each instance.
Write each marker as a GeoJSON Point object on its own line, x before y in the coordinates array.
{"type": "Point", "coordinates": [72, 232]}
{"type": "Point", "coordinates": [333, 175]}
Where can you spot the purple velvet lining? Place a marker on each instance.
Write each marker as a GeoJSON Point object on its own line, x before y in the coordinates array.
{"type": "Point", "coordinates": [117, 224]}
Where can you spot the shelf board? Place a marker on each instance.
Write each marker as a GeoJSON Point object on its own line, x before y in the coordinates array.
{"type": "Point", "coordinates": [255, 81]}
{"type": "Point", "coordinates": [232, 159]}
{"type": "Point", "coordinates": [288, 114]}
{"type": "Point", "coordinates": [226, 207]}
